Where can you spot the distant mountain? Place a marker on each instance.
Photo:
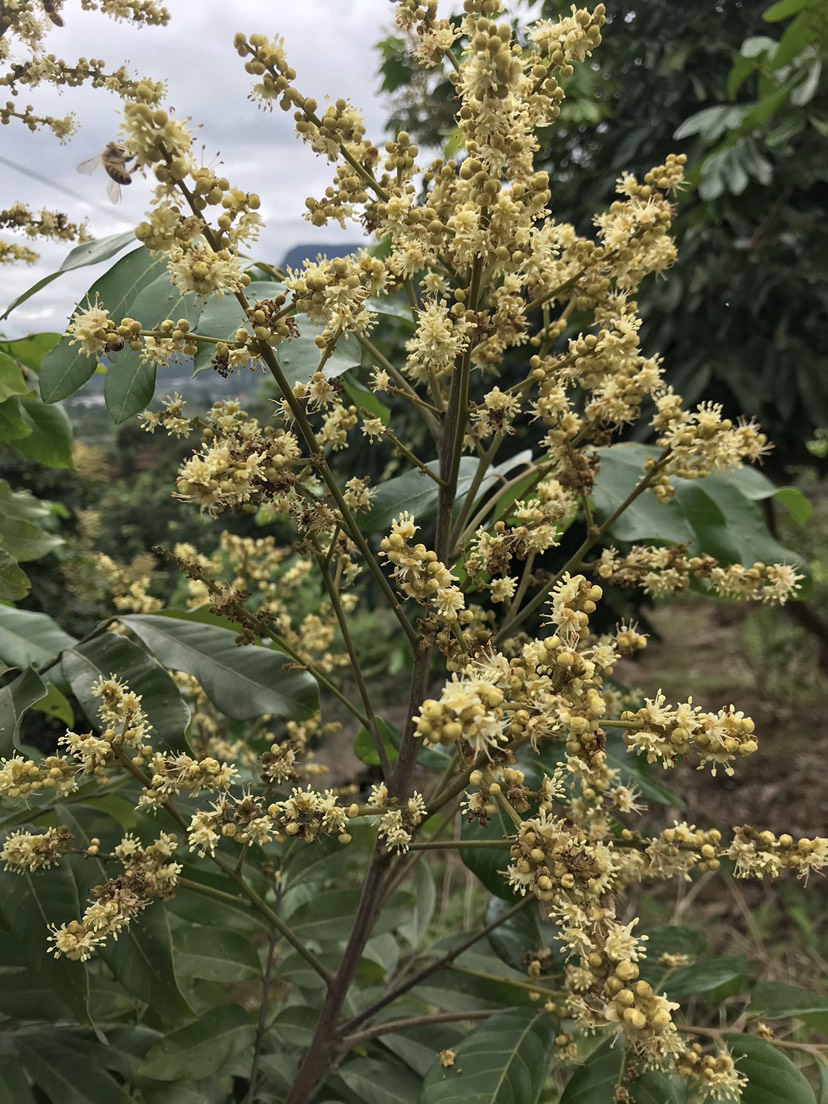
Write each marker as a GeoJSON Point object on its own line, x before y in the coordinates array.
{"type": "Point", "coordinates": [299, 253]}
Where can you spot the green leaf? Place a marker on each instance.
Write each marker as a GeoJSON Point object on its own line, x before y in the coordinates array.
{"type": "Point", "coordinates": [66, 369]}
{"type": "Point", "coordinates": [215, 955]}
{"type": "Point", "coordinates": [16, 698]}
{"type": "Point", "coordinates": [379, 1081]}
{"type": "Point", "coordinates": [89, 253]}
{"type": "Point", "coordinates": [221, 318]}
{"type": "Point", "coordinates": [416, 927]}
{"type": "Point", "coordinates": [776, 1000]}
{"type": "Point", "coordinates": [785, 9]}
{"type": "Point", "coordinates": [31, 349]}
{"type": "Point", "coordinates": [622, 467]}
{"type": "Point", "coordinates": [417, 493]}
{"type": "Point", "coordinates": [141, 958]}
{"type": "Point", "coordinates": [142, 961]}
{"type": "Point", "coordinates": [772, 1078]}
{"type": "Point", "coordinates": [363, 398]}
{"type": "Point", "coordinates": [654, 1088]}
{"type": "Point", "coordinates": [795, 503]}
{"type": "Point", "coordinates": [21, 534]}
{"type": "Point", "coordinates": [716, 515]}
{"type": "Point", "coordinates": [11, 378]}
{"type": "Point", "coordinates": [300, 356]}
{"type": "Point", "coordinates": [707, 977]}
{"type": "Point", "coordinates": [29, 904]}
{"type": "Point", "coordinates": [50, 440]}
{"type": "Point", "coordinates": [365, 750]}
{"type": "Point", "coordinates": [242, 682]}
{"type": "Point", "coordinates": [518, 938]}
{"type": "Point", "coordinates": [13, 426]}
{"type": "Point", "coordinates": [487, 863]}
{"type": "Point", "coordinates": [130, 380]}
{"type": "Point", "coordinates": [69, 1070]}
{"type": "Point", "coordinates": [504, 1060]}
{"type": "Point", "coordinates": [822, 1068]}
{"type": "Point", "coordinates": [200, 1049]}
{"type": "Point", "coordinates": [30, 638]}
{"type": "Point", "coordinates": [14, 583]}
{"type": "Point", "coordinates": [55, 705]}
{"type": "Point", "coordinates": [23, 996]}
{"type": "Point", "coordinates": [110, 654]}
{"type": "Point", "coordinates": [14, 1085]}
{"type": "Point", "coordinates": [596, 1080]}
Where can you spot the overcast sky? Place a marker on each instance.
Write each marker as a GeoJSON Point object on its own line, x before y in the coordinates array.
{"type": "Point", "coordinates": [329, 44]}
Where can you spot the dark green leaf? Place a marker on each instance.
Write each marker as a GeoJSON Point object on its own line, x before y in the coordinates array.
{"type": "Point", "coordinates": [242, 682]}
{"type": "Point", "coordinates": [379, 1081]}
{"type": "Point", "coordinates": [16, 698]}
{"type": "Point", "coordinates": [654, 1088]}
{"type": "Point", "coordinates": [200, 1049]}
{"type": "Point", "coordinates": [216, 955]}
{"type": "Point", "coordinates": [141, 958]}
{"type": "Point", "coordinates": [142, 961]}
{"type": "Point", "coordinates": [89, 253]}
{"type": "Point", "coordinates": [416, 493]}
{"type": "Point", "coordinates": [488, 863]}
{"type": "Point", "coordinates": [518, 939]}
{"type": "Point", "coordinates": [21, 534]}
{"type": "Point", "coordinates": [504, 1060]}
{"type": "Point", "coordinates": [110, 654]}
{"type": "Point", "coordinates": [772, 1077]}
{"type": "Point", "coordinates": [597, 1079]}
{"type": "Point", "coordinates": [706, 977]}
{"type": "Point", "coordinates": [415, 929]}
{"type": "Point", "coordinates": [776, 1000]}
{"type": "Point", "coordinates": [14, 1085]}
{"type": "Point", "coordinates": [363, 398]}
{"type": "Point", "coordinates": [30, 638]}
{"type": "Point", "coordinates": [50, 440]}
{"type": "Point", "coordinates": [69, 1070]}
{"type": "Point", "coordinates": [23, 996]}
{"type": "Point", "coordinates": [29, 904]}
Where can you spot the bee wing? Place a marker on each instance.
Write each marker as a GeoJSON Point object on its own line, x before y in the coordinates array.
{"type": "Point", "coordinates": [89, 166]}
{"type": "Point", "coordinates": [113, 190]}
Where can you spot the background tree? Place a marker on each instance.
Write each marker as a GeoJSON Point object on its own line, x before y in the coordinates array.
{"type": "Point", "coordinates": [740, 319]}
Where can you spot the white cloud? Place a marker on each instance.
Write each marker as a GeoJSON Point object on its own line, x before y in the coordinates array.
{"type": "Point", "coordinates": [328, 42]}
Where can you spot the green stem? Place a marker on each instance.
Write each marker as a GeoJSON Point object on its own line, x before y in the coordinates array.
{"type": "Point", "coordinates": [370, 717]}
{"type": "Point", "coordinates": [589, 542]}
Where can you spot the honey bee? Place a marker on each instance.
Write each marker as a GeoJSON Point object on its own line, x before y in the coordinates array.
{"type": "Point", "coordinates": [115, 161]}
{"type": "Point", "coordinates": [52, 9]}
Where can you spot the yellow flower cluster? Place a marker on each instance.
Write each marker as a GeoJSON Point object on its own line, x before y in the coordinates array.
{"type": "Point", "coordinates": [149, 874]}
{"type": "Point", "coordinates": [665, 734]}
{"type": "Point", "coordinates": [419, 574]}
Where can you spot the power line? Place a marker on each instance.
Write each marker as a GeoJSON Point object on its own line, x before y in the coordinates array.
{"type": "Point", "coordinates": [60, 188]}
